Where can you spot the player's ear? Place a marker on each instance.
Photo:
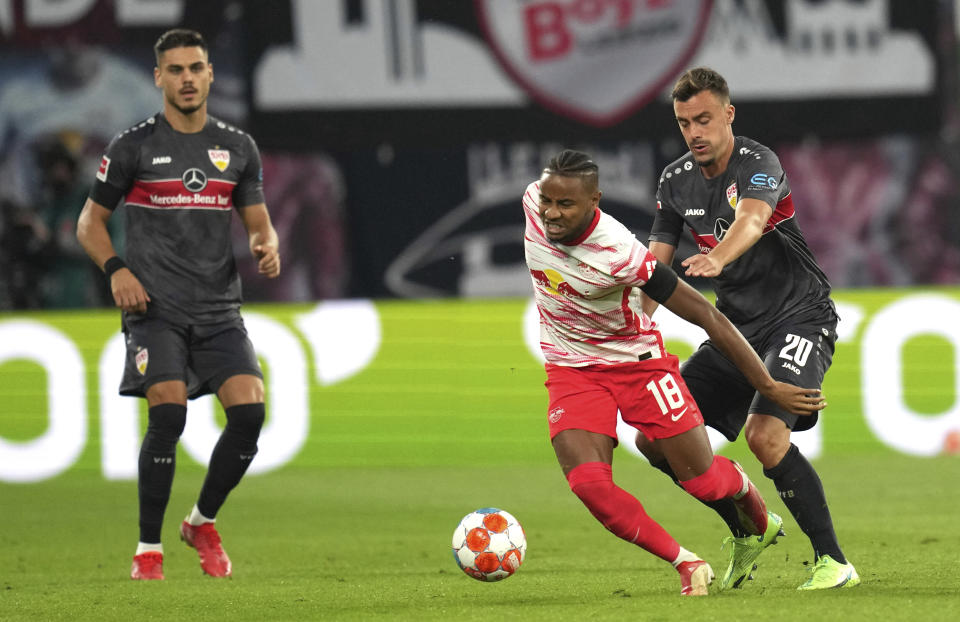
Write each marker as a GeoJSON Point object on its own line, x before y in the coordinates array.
{"type": "Point", "coordinates": [156, 77]}
{"type": "Point", "coordinates": [210, 66]}
{"type": "Point", "coordinates": [596, 197]}
{"type": "Point", "coordinates": [731, 113]}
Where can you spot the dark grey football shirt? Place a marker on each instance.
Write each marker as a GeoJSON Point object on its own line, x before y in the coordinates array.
{"type": "Point", "coordinates": [778, 276]}
{"type": "Point", "coordinates": [179, 192]}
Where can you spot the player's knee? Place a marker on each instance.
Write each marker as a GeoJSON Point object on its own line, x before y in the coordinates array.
{"type": "Point", "coordinates": [246, 420]}
{"type": "Point", "coordinates": [649, 449]}
{"type": "Point", "coordinates": [766, 444]}
{"type": "Point", "coordinates": [708, 486]}
{"type": "Point", "coordinates": [165, 424]}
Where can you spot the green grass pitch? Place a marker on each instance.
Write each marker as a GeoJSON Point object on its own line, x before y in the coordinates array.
{"type": "Point", "coordinates": [449, 418]}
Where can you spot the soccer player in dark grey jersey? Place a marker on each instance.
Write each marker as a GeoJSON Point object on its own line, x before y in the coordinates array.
{"type": "Point", "coordinates": [734, 197]}
{"type": "Point", "coordinates": [180, 175]}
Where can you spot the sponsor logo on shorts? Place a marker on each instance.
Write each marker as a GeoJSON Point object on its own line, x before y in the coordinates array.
{"type": "Point", "coordinates": [695, 212]}
{"type": "Point", "coordinates": [791, 367]}
{"type": "Point", "coordinates": [141, 359]}
{"type": "Point", "coordinates": [161, 160]}
{"type": "Point", "coordinates": [677, 416]}
{"type": "Point", "coordinates": [555, 415]}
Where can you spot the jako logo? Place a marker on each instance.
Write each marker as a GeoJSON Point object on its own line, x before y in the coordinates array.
{"type": "Point", "coordinates": [695, 212]}
{"type": "Point", "coordinates": [162, 160]}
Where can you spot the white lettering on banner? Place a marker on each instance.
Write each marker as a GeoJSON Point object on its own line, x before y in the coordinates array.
{"type": "Point", "coordinates": [57, 13]}
{"type": "Point", "coordinates": [53, 13]}
{"type": "Point", "coordinates": [288, 415]}
{"type": "Point", "coordinates": [339, 352]}
{"type": "Point", "coordinates": [828, 50]}
{"type": "Point", "coordinates": [58, 447]}
{"type": "Point", "coordinates": [884, 406]}
{"type": "Point", "coordinates": [120, 433]}
{"type": "Point", "coordinates": [404, 62]}
{"type": "Point", "coordinates": [149, 12]}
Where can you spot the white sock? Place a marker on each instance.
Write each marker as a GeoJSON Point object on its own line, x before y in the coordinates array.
{"type": "Point", "coordinates": [146, 547]}
{"type": "Point", "coordinates": [196, 519]}
{"type": "Point", "coordinates": [746, 483]}
{"type": "Point", "coordinates": [685, 556]}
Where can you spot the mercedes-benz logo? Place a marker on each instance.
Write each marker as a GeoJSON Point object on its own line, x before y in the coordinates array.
{"type": "Point", "coordinates": [194, 180]}
{"type": "Point", "coordinates": [720, 228]}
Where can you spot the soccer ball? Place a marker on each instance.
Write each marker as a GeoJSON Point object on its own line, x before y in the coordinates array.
{"type": "Point", "coordinates": [489, 544]}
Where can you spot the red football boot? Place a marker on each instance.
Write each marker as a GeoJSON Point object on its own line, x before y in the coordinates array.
{"type": "Point", "coordinates": [204, 538]}
{"type": "Point", "coordinates": [147, 567]}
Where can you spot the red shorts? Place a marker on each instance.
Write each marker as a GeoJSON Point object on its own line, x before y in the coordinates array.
{"type": "Point", "coordinates": [650, 395]}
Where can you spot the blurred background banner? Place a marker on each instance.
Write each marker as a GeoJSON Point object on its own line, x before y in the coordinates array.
{"type": "Point", "coordinates": [398, 135]}
{"type": "Point", "coordinates": [405, 383]}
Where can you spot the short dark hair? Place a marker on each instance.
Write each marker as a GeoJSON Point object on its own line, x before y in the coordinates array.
{"type": "Point", "coordinates": [178, 38]}
{"type": "Point", "coordinates": [570, 163]}
{"type": "Point", "coordinates": [699, 79]}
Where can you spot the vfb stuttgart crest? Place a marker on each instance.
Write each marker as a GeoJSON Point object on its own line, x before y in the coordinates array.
{"type": "Point", "coordinates": [597, 61]}
{"type": "Point", "coordinates": [141, 359]}
{"type": "Point", "coordinates": [220, 158]}
{"type": "Point", "coordinates": [732, 194]}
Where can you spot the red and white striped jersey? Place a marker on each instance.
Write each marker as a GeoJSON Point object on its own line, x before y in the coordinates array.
{"type": "Point", "coordinates": [586, 291]}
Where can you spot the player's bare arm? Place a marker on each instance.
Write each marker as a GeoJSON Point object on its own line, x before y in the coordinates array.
{"type": "Point", "coordinates": [747, 227]}
{"type": "Point", "coordinates": [128, 293]}
{"type": "Point", "coordinates": [264, 243]}
{"type": "Point", "coordinates": [689, 304]}
{"type": "Point", "coordinates": [664, 254]}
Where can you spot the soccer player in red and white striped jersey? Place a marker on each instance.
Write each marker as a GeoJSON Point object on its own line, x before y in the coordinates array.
{"type": "Point", "coordinates": [603, 355]}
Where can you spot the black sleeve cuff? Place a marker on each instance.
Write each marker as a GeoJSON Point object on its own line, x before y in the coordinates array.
{"type": "Point", "coordinates": [106, 195]}
{"type": "Point", "coordinates": [661, 284]}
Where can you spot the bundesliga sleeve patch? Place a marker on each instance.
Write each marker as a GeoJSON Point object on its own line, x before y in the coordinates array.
{"type": "Point", "coordinates": [104, 169]}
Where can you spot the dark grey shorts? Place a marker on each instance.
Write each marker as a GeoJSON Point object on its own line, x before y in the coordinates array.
{"type": "Point", "coordinates": [797, 353]}
{"type": "Point", "coordinates": [203, 356]}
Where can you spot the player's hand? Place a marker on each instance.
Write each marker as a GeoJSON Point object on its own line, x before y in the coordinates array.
{"type": "Point", "coordinates": [268, 260]}
{"type": "Point", "coordinates": [797, 400]}
{"type": "Point", "coordinates": [702, 265]}
{"type": "Point", "coordinates": [128, 292]}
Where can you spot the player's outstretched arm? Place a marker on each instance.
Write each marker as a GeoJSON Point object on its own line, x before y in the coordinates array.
{"type": "Point", "coordinates": [689, 304]}
{"type": "Point", "coordinates": [264, 243]}
{"type": "Point", "coordinates": [747, 227]}
{"type": "Point", "coordinates": [128, 293]}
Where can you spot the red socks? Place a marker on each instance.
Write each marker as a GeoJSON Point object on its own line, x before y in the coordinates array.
{"type": "Point", "coordinates": [619, 511]}
{"type": "Point", "coordinates": [720, 481]}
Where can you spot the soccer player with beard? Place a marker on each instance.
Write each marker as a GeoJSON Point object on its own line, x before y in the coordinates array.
{"type": "Point", "coordinates": [733, 195]}
{"type": "Point", "coordinates": [603, 355]}
{"type": "Point", "coordinates": [180, 175]}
